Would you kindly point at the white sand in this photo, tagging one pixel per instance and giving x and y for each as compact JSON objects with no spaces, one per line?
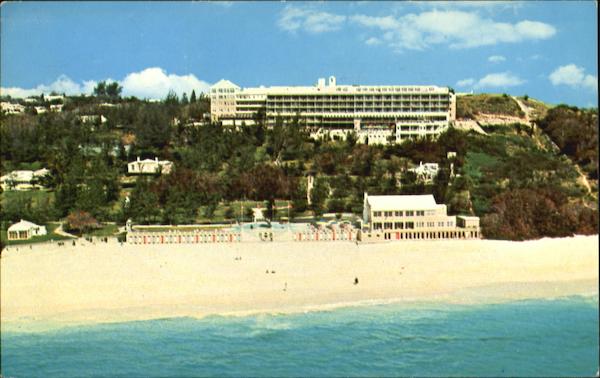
{"x":109,"y":282}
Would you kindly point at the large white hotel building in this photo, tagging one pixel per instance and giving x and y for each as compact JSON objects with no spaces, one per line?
{"x":386,"y":110}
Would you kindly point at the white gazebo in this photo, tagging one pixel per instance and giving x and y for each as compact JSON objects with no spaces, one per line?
{"x":24,"y":230}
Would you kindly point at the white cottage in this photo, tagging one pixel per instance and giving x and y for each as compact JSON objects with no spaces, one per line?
{"x":149,"y":166}
{"x":23,"y":180}
{"x":24,"y":230}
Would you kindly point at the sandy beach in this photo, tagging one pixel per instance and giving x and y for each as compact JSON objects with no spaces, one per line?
{"x":111,"y":282}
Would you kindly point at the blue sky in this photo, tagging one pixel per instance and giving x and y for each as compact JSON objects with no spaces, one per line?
{"x":547,"y":50}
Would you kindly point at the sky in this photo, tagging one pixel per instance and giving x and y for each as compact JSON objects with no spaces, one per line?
{"x":547,"y":50}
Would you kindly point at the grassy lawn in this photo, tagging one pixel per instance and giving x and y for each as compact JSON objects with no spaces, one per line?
{"x":36,"y":196}
{"x":50,"y":227}
{"x":106,"y":230}
{"x":219,"y":214}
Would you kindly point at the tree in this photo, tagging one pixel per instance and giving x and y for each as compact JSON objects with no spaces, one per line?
{"x":100,"y":89}
{"x":172,"y":98}
{"x":81,"y":221}
{"x":19,"y":207}
{"x":271,"y":210}
{"x":229,"y":213}
{"x":113,"y":90}
{"x":184,"y":99}
{"x":152,"y":129}
{"x":318,"y":196}
{"x":143,"y":206}
{"x":193,"y":97}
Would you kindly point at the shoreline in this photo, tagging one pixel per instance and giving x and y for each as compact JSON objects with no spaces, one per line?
{"x":88,"y":284}
{"x":544,"y":291}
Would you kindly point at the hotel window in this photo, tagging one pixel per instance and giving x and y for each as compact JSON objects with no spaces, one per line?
{"x":376,"y":213}
{"x":410,"y":225}
{"x":420,"y":213}
{"x":376,"y":226}
{"x":420,"y":224}
{"x":430,"y":224}
{"x":387,"y":225}
{"x":440,"y":224}
{"x":410,"y":213}
{"x":388,"y":213}
{"x":450,"y":224}
{"x":398,"y":225}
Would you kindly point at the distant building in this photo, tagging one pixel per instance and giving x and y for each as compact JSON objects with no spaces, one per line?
{"x":24,"y":230}
{"x":401,"y":217}
{"x":426,"y":173}
{"x":409,"y":111}
{"x":92,"y":118}
{"x":40,"y":109}
{"x":23,"y":180}
{"x":56,"y":107}
{"x":10,"y":108}
{"x":50,"y":98}
{"x":149,"y":166}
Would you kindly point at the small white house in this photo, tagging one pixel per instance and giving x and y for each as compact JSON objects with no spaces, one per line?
{"x":56,"y":108}
{"x":10,"y":108}
{"x":23,"y":180}
{"x":24,"y":230}
{"x":92,"y":118}
{"x":426,"y":172}
{"x":149,"y":166}
{"x":40,"y":109}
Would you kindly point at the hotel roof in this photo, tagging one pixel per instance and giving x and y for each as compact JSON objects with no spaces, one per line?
{"x":408,"y":202}
{"x":23,"y":225}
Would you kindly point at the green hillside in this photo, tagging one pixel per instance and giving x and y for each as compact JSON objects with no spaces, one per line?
{"x":468,"y":106}
{"x":523,"y":182}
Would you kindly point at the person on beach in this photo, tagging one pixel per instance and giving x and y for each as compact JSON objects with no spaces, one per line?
{"x":356,"y":280}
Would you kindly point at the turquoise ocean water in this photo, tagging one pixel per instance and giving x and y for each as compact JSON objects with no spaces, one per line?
{"x":526,"y":338}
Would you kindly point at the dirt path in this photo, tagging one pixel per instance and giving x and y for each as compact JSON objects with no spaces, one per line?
{"x":59,"y":231}
{"x":524,"y":109}
{"x":583,"y":179}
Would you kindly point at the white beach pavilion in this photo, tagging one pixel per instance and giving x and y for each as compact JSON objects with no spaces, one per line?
{"x":24,"y":230}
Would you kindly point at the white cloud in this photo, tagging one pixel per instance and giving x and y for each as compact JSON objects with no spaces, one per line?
{"x":293,"y":19}
{"x":156,"y":83}
{"x":573,"y":76}
{"x":496,"y":59}
{"x":455,"y":28}
{"x":373,"y":41}
{"x":224,"y":4}
{"x":488,"y":5}
{"x":61,"y":85}
{"x":499,"y":80}
{"x":493,"y":80}
{"x":149,"y":83}
{"x":465,"y":82}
